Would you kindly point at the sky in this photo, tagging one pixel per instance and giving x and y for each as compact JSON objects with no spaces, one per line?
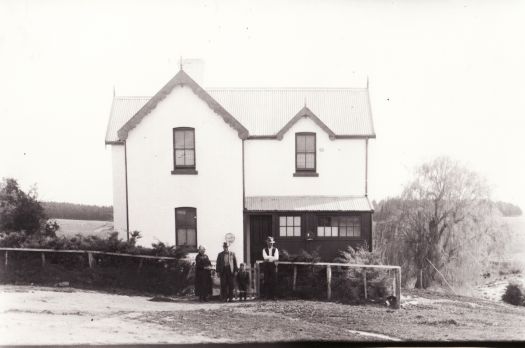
{"x":445,"y":78}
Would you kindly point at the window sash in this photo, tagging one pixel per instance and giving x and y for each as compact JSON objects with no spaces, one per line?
{"x":289,"y":226}
{"x":184,"y":148}
{"x":186,"y":226}
{"x":339,"y":226}
{"x":305,"y":152}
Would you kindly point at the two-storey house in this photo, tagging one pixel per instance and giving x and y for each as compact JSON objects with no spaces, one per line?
{"x":196,"y":166}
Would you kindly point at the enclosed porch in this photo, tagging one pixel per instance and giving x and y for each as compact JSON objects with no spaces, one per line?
{"x":323,"y":223}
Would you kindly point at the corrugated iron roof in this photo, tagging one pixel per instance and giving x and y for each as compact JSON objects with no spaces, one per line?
{"x":122,"y":110}
{"x":308,"y":203}
{"x":265,"y":111}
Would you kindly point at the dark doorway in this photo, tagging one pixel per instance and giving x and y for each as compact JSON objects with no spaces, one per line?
{"x":260,"y":229}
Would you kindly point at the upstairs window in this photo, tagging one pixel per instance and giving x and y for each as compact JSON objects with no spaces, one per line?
{"x":186,"y":226}
{"x":305,"y":154}
{"x":184,"y":148}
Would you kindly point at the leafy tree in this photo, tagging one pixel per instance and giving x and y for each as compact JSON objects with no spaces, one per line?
{"x":443,"y":221}
{"x":20,"y":211}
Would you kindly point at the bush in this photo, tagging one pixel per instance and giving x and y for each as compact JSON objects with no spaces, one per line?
{"x":110,"y":271}
{"x":514,"y":294}
{"x":348,"y":283}
{"x":19,"y":211}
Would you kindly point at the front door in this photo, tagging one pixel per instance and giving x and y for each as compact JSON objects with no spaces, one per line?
{"x":260,"y":229}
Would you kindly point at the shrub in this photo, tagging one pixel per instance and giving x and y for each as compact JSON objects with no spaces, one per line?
{"x":348,"y":283}
{"x":19,"y":211}
{"x":514,"y":294}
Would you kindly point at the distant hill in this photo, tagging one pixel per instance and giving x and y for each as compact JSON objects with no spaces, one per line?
{"x":62,"y":210}
{"x":508,"y":209}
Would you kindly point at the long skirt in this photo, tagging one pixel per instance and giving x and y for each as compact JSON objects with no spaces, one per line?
{"x":203,"y":283}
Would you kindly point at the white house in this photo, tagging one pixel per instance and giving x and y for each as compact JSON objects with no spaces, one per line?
{"x":196,"y":166}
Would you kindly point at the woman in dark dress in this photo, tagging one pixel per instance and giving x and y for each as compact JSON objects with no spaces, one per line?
{"x":203,"y":283}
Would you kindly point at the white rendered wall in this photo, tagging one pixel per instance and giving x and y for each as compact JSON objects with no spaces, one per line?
{"x":270,"y":165}
{"x":216,"y":191}
{"x":119,"y":190}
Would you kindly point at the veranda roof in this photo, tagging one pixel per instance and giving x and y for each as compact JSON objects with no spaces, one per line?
{"x":308,"y":203}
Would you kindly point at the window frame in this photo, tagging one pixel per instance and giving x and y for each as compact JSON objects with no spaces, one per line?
{"x":286,"y":215}
{"x":339,"y":237}
{"x":306,"y":171}
{"x":177,"y":226}
{"x":184,"y":169}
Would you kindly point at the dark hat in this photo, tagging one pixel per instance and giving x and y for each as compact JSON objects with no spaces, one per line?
{"x":270,"y":239}
{"x":225,"y":245}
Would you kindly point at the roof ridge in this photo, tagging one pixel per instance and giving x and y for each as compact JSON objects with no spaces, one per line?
{"x":286,"y":88}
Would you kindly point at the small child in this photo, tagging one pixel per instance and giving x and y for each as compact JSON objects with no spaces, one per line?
{"x":243,"y":279}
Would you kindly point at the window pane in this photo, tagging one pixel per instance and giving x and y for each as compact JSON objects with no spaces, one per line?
{"x":320,"y":231}
{"x":297,"y":221}
{"x":191,"y":237}
{"x":289,"y":221}
{"x":282,"y":220}
{"x":342,"y":231}
{"x":179,"y":139}
{"x":335,"y":231}
{"x":181,"y":236}
{"x":179,"y":157}
{"x":190,"y":158}
{"x":324,"y":221}
{"x":310,"y":143}
{"x":282,"y":231}
{"x":310,"y":161}
{"x":289,"y":231}
{"x":301,"y":147}
{"x":188,"y":139}
{"x":301,"y":161}
{"x":335,"y":221}
{"x":297,"y":231}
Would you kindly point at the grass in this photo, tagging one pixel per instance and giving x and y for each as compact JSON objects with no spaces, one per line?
{"x":69,"y":228}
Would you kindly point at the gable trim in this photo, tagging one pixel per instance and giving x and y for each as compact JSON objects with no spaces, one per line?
{"x":305,"y":112}
{"x":181,"y":79}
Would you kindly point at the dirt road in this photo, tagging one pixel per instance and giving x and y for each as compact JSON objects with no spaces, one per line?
{"x":42,"y":315}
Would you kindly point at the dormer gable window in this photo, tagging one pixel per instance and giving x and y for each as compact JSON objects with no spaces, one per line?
{"x":184,"y":150}
{"x":305,"y":154}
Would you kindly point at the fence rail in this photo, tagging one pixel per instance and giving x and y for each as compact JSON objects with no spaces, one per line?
{"x":89,"y":253}
{"x":396,"y":284}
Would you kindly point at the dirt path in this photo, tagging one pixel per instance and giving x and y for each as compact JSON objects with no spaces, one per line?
{"x":41,"y":315}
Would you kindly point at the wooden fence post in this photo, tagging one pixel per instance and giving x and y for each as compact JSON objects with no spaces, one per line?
{"x":257,"y":279}
{"x":294,"y":277}
{"x":6,"y":258}
{"x":140,"y":265}
{"x":329,"y":281}
{"x":91,"y":261}
{"x":398,"y":287}
{"x":364,"y":284}
{"x":43,"y":256}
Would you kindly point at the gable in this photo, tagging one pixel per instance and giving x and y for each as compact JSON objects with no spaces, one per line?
{"x":258,"y":112}
{"x":181,"y":79}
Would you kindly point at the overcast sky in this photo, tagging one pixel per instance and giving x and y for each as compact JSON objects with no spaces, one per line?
{"x":446,"y":78}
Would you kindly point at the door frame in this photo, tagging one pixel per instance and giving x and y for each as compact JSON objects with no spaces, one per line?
{"x":247,"y":232}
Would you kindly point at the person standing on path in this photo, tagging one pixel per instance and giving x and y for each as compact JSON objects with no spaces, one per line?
{"x":243,"y":280}
{"x":203,"y":283}
{"x":226,"y":267}
{"x":270,"y":255}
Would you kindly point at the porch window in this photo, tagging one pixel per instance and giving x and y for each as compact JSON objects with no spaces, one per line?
{"x":184,"y":150}
{"x":186,"y":226}
{"x":289,"y":226}
{"x":305,"y":154}
{"x":339,"y":226}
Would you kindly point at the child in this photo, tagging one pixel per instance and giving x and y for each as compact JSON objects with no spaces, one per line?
{"x":243,"y":279}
